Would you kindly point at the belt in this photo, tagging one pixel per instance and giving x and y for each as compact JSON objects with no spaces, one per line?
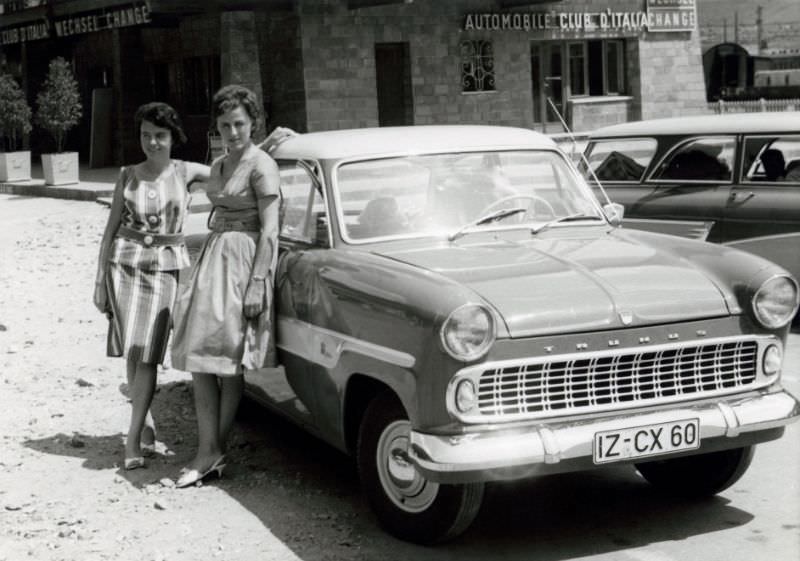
{"x":221,"y":223}
{"x":149,"y":239}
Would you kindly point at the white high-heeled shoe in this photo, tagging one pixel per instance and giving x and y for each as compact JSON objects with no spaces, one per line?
{"x":195,"y":477}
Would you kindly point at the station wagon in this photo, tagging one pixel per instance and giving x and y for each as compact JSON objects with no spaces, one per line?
{"x":732,"y":179}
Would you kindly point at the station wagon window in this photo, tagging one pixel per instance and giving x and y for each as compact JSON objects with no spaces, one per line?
{"x":772,"y":158}
{"x":619,"y":160}
{"x":703,"y":159}
{"x":303,"y":214}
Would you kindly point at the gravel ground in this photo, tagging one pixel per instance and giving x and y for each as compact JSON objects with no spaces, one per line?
{"x":63,"y":413}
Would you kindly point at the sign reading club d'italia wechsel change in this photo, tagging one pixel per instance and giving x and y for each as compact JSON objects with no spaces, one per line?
{"x":135,"y":14}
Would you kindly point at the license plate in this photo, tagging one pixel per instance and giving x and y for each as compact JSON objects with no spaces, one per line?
{"x":646,"y":440}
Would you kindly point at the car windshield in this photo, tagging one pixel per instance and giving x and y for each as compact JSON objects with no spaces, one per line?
{"x":445,"y":194}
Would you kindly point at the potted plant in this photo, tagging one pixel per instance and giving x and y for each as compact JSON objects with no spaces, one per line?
{"x":15,"y":122}
{"x":59,"y":109}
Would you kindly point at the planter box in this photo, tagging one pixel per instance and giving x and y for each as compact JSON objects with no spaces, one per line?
{"x":15,"y":166}
{"x":60,"y":169}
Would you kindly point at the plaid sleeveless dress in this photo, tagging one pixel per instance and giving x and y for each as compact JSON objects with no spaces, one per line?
{"x":143,"y":280}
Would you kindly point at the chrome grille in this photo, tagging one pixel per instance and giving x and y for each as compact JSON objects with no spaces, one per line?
{"x":566,"y":384}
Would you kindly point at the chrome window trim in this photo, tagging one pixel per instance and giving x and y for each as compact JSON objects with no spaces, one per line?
{"x":643,"y":178}
{"x":681,"y":144}
{"x":474,"y":372}
{"x":743,"y":180}
{"x":310,"y":166}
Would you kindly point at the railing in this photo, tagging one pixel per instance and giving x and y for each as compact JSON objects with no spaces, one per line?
{"x":755,"y":105}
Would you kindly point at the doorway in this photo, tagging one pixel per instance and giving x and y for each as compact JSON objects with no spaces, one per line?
{"x":393,"y":80}
{"x":547,"y":77}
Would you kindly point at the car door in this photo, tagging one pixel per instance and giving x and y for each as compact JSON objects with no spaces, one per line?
{"x":692,"y":182}
{"x":762,"y":214}
{"x":304,"y":238}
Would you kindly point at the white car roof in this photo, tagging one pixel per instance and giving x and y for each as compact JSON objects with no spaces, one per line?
{"x":730,"y":123}
{"x":421,"y":139}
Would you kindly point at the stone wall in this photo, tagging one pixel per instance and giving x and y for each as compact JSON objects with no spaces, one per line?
{"x":671,"y":75}
{"x":339,"y":65}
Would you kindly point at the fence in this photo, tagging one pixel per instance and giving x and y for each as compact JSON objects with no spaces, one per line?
{"x":755,"y":105}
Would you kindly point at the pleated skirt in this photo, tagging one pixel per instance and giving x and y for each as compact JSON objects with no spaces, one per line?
{"x":141,"y":306}
{"x":211,"y":334}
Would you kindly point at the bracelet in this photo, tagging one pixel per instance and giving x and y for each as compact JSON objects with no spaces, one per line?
{"x":257,"y":278}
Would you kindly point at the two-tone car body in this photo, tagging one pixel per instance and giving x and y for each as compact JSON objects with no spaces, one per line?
{"x":732,"y":179}
{"x":454,"y":306}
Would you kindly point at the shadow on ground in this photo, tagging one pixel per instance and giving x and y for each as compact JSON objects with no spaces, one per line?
{"x":305,"y":492}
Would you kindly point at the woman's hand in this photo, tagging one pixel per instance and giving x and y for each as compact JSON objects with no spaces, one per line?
{"x":101,"y":297}
{"x":254,"y":298}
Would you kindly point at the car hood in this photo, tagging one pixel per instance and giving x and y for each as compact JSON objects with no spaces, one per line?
{"x":557,"y":285}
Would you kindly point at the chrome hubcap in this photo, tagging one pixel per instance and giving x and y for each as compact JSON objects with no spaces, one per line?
{"x":407,"y":489}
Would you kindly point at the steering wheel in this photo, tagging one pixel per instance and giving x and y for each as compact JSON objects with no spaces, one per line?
{"x":535,"y":198}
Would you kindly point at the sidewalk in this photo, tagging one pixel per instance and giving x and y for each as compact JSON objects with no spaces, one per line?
{"x":93,"y":184}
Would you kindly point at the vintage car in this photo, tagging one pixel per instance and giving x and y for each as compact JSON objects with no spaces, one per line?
{"x":732,"y":179}
{"x":455,"y":307}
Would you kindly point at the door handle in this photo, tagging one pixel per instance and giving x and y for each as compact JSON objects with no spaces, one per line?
{"x":741,"y":197}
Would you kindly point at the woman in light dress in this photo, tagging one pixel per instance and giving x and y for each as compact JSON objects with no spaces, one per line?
{"x":223,"y":322}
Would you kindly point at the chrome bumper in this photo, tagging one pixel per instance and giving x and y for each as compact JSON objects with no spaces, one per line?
{"x":556,"y":446}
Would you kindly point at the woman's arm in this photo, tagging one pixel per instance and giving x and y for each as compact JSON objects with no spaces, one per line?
{"x":266,"y":182}
{"x":196,"y":173}
{"x":112,"y":225}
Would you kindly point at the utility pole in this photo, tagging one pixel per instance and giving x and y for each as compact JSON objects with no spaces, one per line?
{"x":736,"y":27}
{"x":758,"y":29}
{"x":725,"y":31}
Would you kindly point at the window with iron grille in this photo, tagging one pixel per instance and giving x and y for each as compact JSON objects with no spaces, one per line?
{"x":477,"y":66}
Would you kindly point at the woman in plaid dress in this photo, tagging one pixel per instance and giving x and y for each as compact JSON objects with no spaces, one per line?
{"x":141,"y":253}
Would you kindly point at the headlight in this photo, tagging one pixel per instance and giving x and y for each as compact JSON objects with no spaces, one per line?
{"x":775,"y":302}
{"x":468,"y":332}
{"x":772,"y":360}
{"x":466,"y":397}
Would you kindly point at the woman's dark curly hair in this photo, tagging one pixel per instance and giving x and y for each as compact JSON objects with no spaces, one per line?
{"x":164,"y":116}
{"x":233,"y":96}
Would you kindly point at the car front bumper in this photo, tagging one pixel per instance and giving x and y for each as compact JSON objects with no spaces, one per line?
{"x":554,"y":446}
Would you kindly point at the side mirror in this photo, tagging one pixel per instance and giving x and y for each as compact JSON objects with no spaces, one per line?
{"x":614,"y":212}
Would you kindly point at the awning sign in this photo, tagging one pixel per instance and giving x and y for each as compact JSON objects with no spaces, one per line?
{"x":135,"y":14}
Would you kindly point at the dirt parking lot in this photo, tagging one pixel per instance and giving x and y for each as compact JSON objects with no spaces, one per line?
{"x":286,"y":496}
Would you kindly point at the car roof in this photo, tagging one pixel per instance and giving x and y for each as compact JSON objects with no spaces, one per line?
{"x":730,"y":123}
{"x":420,"y":139}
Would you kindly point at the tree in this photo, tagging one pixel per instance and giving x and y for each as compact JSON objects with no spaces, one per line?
{"x":15,"y":114}
{"x":59,"y":103}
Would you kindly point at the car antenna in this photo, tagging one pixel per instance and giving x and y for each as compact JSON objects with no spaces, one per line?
{"x":583,"y":155}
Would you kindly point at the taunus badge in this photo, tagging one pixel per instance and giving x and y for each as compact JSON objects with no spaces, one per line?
{"x":626,"y":318}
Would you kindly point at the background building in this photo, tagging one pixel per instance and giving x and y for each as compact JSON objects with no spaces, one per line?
{"x":331,"y":64}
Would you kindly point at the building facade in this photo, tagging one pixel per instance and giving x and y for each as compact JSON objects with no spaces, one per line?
{"x":333,"y":64}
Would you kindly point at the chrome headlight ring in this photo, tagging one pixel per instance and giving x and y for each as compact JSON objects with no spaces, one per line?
{"x":468,"y":332}
{"x":776,"y":301}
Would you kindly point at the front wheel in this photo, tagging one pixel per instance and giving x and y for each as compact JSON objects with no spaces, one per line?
{"x":406,"y":504}
{"x":700,"y":475}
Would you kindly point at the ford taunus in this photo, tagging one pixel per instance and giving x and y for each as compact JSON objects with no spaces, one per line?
{"x":732,"y":179}
{"x":455,"y":306}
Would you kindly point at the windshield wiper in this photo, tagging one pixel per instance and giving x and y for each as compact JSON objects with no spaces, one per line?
{"x":569,"y":218}
{"x":491,"y":217}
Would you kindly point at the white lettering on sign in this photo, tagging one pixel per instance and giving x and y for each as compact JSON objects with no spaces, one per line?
{"x":78,"y":25}
{"x":558,"y":21}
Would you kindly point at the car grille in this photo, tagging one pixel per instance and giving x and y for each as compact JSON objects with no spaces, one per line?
{"x":609,"y":380}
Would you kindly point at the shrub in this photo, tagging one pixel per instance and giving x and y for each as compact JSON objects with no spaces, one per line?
{"x":59,"y":103}
{"x":15,"y":114}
